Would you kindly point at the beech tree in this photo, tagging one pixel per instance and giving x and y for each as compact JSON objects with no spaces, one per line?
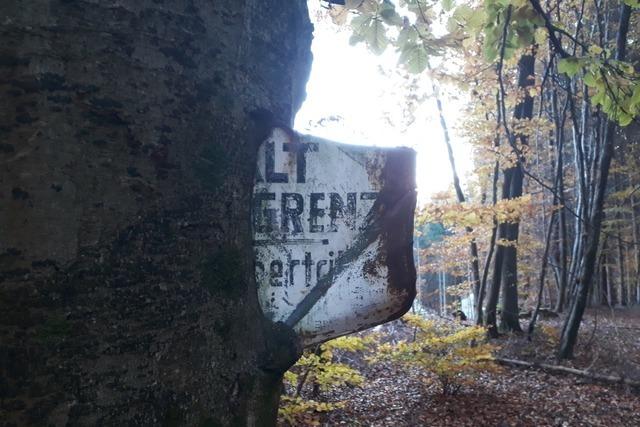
{"x":129,"y":137}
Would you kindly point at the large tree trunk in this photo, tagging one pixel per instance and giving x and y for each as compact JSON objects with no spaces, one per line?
{"x":129,"y":134}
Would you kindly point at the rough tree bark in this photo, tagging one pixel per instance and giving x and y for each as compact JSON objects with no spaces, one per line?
{"x":129,"y":131}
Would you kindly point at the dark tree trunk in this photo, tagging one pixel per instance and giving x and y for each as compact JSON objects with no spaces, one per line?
{"x":509,"y":316}
{"x":129,"y":134}
{"x":494,"y":291}
{"x":505,"y":270}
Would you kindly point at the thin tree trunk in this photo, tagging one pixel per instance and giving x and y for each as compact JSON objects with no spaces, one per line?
{"x":604,"y":282}
{"x":543,"y":271}
{"x":636,"y":249}
{"x":620,"y":258}
{"x":492,"y":245}
{"x":473,"y":247}
{"x":621,"y":270}
{"x":559,"y":197}
{"x":585,"y":279}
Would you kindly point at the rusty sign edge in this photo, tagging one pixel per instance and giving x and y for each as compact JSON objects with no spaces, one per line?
{"x":408,"y":284}
{"x":395,"y":233}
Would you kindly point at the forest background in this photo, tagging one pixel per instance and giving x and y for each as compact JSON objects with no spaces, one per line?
{"x":549,"y":216}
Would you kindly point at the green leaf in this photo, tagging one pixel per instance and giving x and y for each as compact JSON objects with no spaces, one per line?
{"x":476,"y":21}
{"x":598,"y":98}
{"x":635,"y":98}
{"x":463,"y":12}
{"x":452,"y":24}
{"x":355,"y":39}
{"x":447,"y":5}
{"x":633,"y":3}
{"x":625,"y":67}
{"x":595,"y":50}
{"x":407,"y":35}
{"x":569,"y":66}
{"x":590,"y":80}
{"x":541,"y":36}
{"x":376,"y":37}
{"x":414,"y":57}
{"x":624,"y":119}
{"x":391,"y":17}
{"x":361,"y":23}
{"x":490,"y":53}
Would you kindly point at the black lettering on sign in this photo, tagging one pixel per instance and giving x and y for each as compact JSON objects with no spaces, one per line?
{"x":275,"y":270}
{"x":270,"y":165}
{"x":307,"y":268}
{"x":292,"y":207}
{"x":337,"y":209}
{"x":264,"y":219}
{"x":319,"y":265}
{"x":292,"y":265}
{"x":301,"y":149}
{"x":315,"y":212}
{"x":350,"y":218}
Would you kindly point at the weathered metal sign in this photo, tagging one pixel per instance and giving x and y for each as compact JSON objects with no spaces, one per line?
{"x":333,"y":231}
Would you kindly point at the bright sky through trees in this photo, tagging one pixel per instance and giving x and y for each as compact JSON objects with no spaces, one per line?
{"x":367,"y":94}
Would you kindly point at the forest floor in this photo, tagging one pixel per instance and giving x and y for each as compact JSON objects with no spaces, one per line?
{"x":609,"y":343}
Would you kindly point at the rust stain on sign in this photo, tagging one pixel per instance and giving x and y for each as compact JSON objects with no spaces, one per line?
{"x":333,"y":231}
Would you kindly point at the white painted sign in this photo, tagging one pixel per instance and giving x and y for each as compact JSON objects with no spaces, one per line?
{"x":333,"y":229}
